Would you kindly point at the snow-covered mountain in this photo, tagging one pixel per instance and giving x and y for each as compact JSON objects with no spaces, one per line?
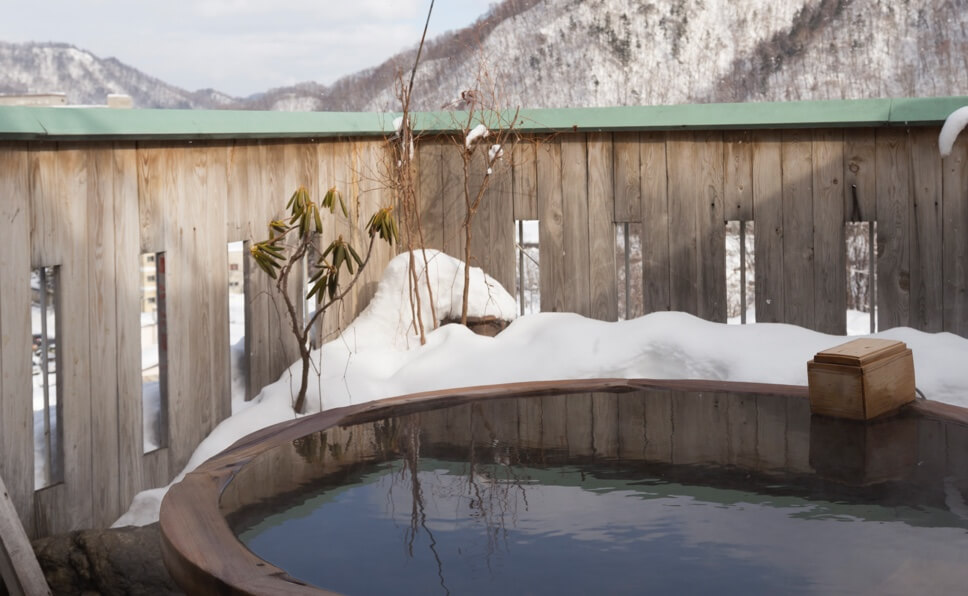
{"x":556,"y":53}
{"x":559,"y":53}
{"x":88,"y":79}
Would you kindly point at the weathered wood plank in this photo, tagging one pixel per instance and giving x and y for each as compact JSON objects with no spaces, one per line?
{"x":286,"y":170}
{"x":574,"y":200}
{"x":480,"y":220}
{"x":186,"y":299}
{"x":101,"y":281}
{"x":627,"y":181}
{"x":768,"y":221}
{"x":345,"y":180}
{"x":955,"y":239}
{"x":685,"y":192}
{"x":653,"y":179}
{"x":659,"y":425}
{"x":578,"y":425}
{"x":452,"y":195}
{"x":710,"y":224}
{"x":500,"y":200}
{"x":373,"y":197}
{"x":893,"y":228}
{"x":830,"y":282}
{"x":798,"y":258}
{"x":603,"y":290}
{"x":238,"y":224}
{"x":220,"y":397}
{"x":605,"y":425}
{"x":771,"y":440}
{"x":860,"y":171}
{"x":632,"y":426}
{"x":524,"y":165}
{"x":155,"y":174}
{"x":700,"y":431}
{"x":551,"y":248}
{"x":19,"y":570}
{"x":328,"y":327}
{"x":429,"y":196}
{"x":738,"y":174}
{"x":59,"y":192}
{"x":127,"y":268}
{"x":16,"y":412}
{"x":261,"y":205}
{"x":741,"y":431}
{"x":927,"y":278}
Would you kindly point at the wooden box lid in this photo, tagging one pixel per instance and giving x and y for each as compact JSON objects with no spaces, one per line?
{"x":861,"y":352}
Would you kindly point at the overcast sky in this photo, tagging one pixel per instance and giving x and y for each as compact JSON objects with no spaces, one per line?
{"x":239,"y":47}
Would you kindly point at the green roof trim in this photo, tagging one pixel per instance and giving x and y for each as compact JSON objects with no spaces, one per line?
{"x":67,"y":123}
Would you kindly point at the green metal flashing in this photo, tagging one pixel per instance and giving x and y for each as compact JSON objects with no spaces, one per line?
{"x":66,"y":123}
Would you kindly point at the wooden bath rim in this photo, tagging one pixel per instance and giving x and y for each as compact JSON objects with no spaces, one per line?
{"x":204,"y":556}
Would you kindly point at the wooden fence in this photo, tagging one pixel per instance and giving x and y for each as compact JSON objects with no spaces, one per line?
{"x":93,"y":206}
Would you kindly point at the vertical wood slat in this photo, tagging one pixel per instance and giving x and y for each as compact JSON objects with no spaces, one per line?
{"x":602,"y":275}
{"x":249,"y":176}
{"x":893,"y":226}
{"x":574,"y":208}
{"x":101,"y":281}
{"x":127,"y":266}
{"x":738,"y":176}
{"x":430,"y":192}
{"x":654,"y":192}
{"x":860,"y":171}
{"x":372,"y":197}
{"x":627,"y":177}
{"x":182,"y":268}
{"x":797,"y":198}
{"x":830,"y":281}
{"x":524,"y":184}
{"x":59,"y":193}
{"x":328,"y":327}
{"x":500,"y":210}
{"x":927,"y":279}
{"x":768,"y":221}
{"x":684,"y":194}
{"x":710,"y":224}
{"x":550,"y":231}
{"x":16,"y":412}
{"x":452,"y":195}
{"x":955,"y":239}
{"x":480,"y":220}
{"x":218,"y":314}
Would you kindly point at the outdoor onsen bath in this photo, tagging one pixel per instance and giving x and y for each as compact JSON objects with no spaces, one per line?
{"x":581,"y":487}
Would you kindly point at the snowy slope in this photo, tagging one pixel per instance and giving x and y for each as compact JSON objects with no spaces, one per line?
{"x":625,"y":52}
{"x":88,"y":79}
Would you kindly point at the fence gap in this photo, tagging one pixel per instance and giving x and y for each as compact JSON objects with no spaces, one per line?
{"x":154,"y":352}
{"x":860,"y":238}
{"x":740,"y":272}
{"x":527,"y":278}
{"x":238,"y":360}
{"x":628,"y":269}
{"x":47,"y":405}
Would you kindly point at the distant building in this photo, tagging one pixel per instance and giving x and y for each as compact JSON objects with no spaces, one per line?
{"x":47,"y":100}
{"x":33,"y":99}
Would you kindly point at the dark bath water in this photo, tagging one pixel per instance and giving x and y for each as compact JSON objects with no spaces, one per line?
{"x":613,"y":494}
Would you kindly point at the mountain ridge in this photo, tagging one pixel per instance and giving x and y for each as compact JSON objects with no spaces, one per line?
{"x":581,"y":53}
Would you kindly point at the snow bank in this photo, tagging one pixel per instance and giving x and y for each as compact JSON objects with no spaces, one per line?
{"x":379,"y":355}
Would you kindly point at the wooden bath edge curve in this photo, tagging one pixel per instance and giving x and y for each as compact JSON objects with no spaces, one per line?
{"x":204,"y":556}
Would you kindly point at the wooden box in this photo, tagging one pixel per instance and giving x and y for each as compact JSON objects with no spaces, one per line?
{"x":861,"y":379}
